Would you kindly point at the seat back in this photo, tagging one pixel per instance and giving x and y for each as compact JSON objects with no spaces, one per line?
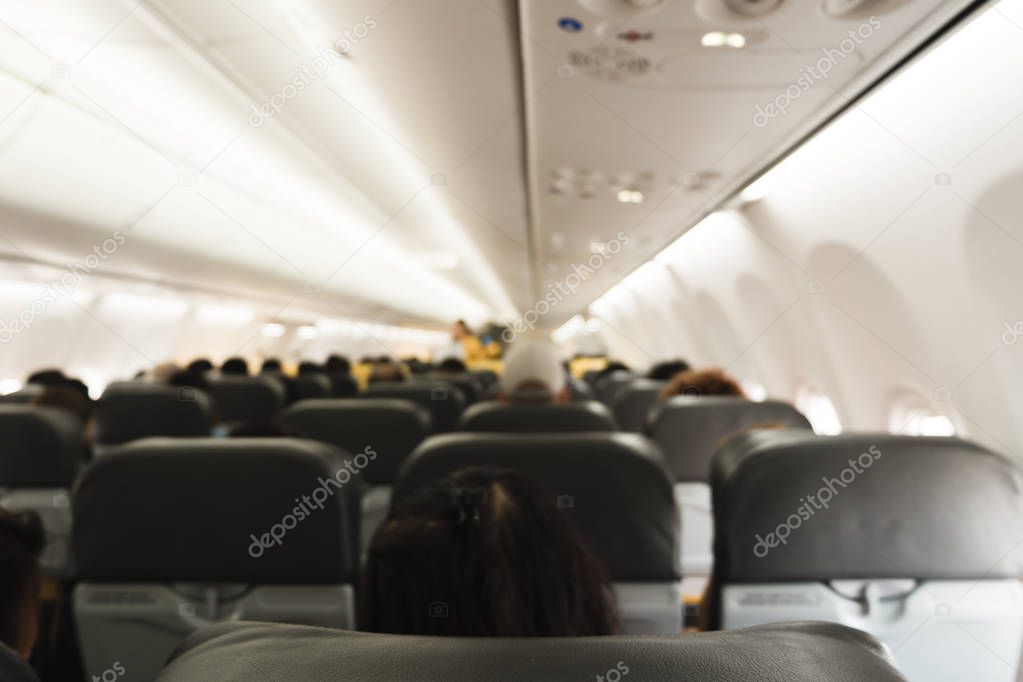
{"x":689,"y":430}
{"x":310,"y":386}
{"x":607,"y":386}
{"x":342,"y":385}
{"x":41,"y":450}
{"x":174,"y":534}
{"x":615,"y":489}
{"x":632,"y":405}
{"x":915,"y":540}
{"x":579,"y":390}
{"x":441,"y":399}
{"x":803,"y":652}
{"x":557,"y":418}
{"x":246,"y":398}
{"x":129,"y":410}
{"x":392,"y":428}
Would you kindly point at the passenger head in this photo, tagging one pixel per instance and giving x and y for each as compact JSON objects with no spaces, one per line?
{"x":79,"y":386}
{"x":483,"y":553}
{"x":338,"y":364}
{"x":270,"y":365}
{"x":664,"y":371}
{"x":200,"y":366}
{"x":451,"y":366}
{"x":235,"y":366}
{"x":47,"y":377}
{"x":307,"y":367}
{"x":533,"y":374}
{"x":66,"y":398}
{"x":611,"y":367}
{"x":707,"y":382}
{"x":21,"y":542}
{"x":460,"y":329}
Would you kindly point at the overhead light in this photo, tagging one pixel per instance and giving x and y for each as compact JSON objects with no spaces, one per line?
{"x":722,"y":39}
{"x":630,"y":196}
{"x":8,"y":386}
{"x":273,"y":330}
{"x":307,"y":332}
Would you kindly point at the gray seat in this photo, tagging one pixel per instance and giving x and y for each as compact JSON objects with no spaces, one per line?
{"x":614,"y":487}
{"x":915,"y":540}
{"x":392,"y":429}
{"x":799,"y":652}
{"x":443,"y":400}
{"x":129,"y":410}
{"x":579,"y":390}
{"x":689,"y":430}
{"x":172,"y":535}
{"x":632,"y":404}
{"x":41,"y":450}
{"x":562,"y":418}
{"x":22,"y":396}
{"x":606,"y":387}
{"x":246,"y":398}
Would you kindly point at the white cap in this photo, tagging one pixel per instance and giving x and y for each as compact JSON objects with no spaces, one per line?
{"x":532,"y":360}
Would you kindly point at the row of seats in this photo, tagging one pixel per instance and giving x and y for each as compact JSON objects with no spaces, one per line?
{"x":926,"y":525}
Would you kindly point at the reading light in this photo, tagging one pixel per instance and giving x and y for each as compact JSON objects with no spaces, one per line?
{"x":273,"y":330}
{"x":307,"y":332}
{"x":630,"y":196}
{"x":721,"y":39}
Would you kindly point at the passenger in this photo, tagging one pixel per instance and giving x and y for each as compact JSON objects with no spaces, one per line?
{"x":235,"y":366}
{"x":21,"y":542}
{"x":533,"y":375}
{"x":471,"y":346}
{"x":451,"y":366}
{"x":708,"y":382}
{"x":338,"y":364}
{"x":79,"y":386}
{"x":185,"y":378}
{"x":270,"y":366}
{"x":200,"y":366}
{"x":309,"y":367}
{"x":483,"y":553}
{"x":663,"y":371}
{"x":47,"y":377}
{"x":66,"y":398}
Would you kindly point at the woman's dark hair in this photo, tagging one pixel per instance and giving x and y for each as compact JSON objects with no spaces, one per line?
{"x":483,"y":553}
{"x":21,"y":542}
{"x":664,"y":371}
{"x":707,"y":382}
{"x":235,"y":366}
{"x":47,"y":377}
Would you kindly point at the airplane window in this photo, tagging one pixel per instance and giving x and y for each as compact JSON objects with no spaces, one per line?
{"x":819,"y":409}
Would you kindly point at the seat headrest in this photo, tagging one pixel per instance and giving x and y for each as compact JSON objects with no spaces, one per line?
{"x":23,"y":396}
{"x":632,"y":404}
{"x":261,"y":510}
{"x":566,"y":418}
{"x":579,"y":390}
{"x":392,"y":428}
{"x":244,"y":398}
{"x":442,"y":399}
{"x":792,"y":506}
{"x":607,"y":386}
{"x":40,"y":447}
{"x":310,"y":386}
{"x":791,"y":652}
{"x":690,"y":429}
{"x":614,"y":487}
{"x":128,"y":410}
